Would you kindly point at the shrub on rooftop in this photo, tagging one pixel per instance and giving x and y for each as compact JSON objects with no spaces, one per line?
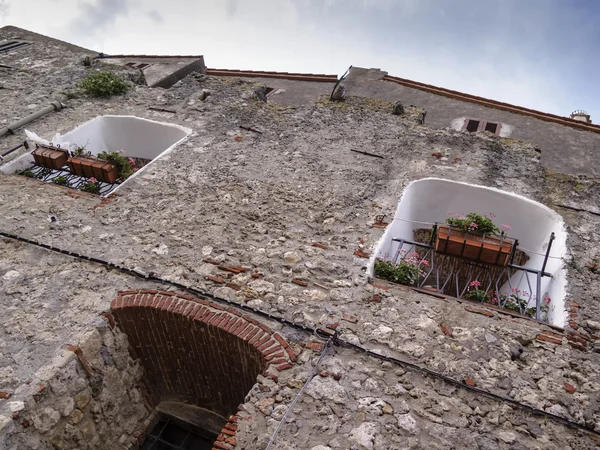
{"x":103,"y":84}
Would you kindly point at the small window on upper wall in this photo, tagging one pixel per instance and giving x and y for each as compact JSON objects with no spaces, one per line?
{"x":473,"y":125}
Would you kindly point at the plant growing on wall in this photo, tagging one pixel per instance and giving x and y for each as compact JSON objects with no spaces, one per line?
{"x":124,"y":164}
{"x":103,"y":84}
{"x":92,"y":186}
{"x":409,"y":270}
{"x":475,"y":293}
{"x":61,"y":180}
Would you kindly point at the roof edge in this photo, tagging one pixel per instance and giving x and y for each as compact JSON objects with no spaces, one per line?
{"x":323,"y":78}
{"x":494,"y":104}
{"x":104,"y":56}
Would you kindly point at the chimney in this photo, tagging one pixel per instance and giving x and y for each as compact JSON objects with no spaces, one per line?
{"x":581,"y":115}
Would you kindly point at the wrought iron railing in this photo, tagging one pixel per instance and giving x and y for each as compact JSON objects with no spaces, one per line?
{"x":511,"y":287}
{"x":71,"y":180}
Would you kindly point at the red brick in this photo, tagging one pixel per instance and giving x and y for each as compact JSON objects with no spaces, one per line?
{"x":469,"y":382}
{"x":300,"y":282}
{"x":321,"y":246}
{"x":257,"y":337}
{"x":265,"y":328}
{"x":282,"y":367}
{"x":483,"y":312}
{"x":569,"y":388}
{"x":271,"y":350}
{"x":358,"y":252}
{"x":279,"y":354}
{"x":544,"y":338}
{"x":266,"y":345}
{"x":445,"y":330}
{"x":349,"y":318}
{"x":214,"y":262}
{"x":221,"y":446}
{"x":280,"y":340}
{"x":227,"y":432}
{"x":291,"y":353}
{"x":316,"y":346}
{"x":5,"y":395}
{"x":215,"y":279}
{"x":383,"y":287}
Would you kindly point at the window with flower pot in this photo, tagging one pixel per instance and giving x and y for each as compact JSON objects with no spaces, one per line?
{"x":477,"y":243}
{"x":100,"y":155}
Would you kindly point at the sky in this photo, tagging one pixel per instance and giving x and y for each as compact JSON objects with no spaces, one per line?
{"x":541,"y":54}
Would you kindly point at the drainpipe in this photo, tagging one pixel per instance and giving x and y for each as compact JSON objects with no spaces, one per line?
{"x":54,"y":106}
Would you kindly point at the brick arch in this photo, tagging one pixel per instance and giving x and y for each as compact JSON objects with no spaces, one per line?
{"x":196,"y":351}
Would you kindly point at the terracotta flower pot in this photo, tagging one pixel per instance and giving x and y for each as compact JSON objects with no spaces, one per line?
{"x":50,"y":157}
{"x":90,"y":167}
{"x":473,"y":246}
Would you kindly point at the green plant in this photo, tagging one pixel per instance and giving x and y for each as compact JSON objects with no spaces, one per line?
{"x":124,"y":164}
{"x":28,"y":173}
{"x":474,"y":222}
{"x":103,"y":84}
{"x":408,"y":271}
{"x":92,"y":186}
{"x":43,"y":173}
{"x":475,"y":293}
{"x":61,"y":180}
{"x":79,"y":150}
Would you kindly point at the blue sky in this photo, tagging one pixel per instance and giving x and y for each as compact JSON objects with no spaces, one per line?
{"x":542,"y":54}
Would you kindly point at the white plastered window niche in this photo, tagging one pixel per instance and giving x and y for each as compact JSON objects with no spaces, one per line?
{"x":428,"y":201}
{"x":137,"y":137}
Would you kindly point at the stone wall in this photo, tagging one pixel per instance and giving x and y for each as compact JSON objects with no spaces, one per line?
{"x":564,"y":149}
{"x":90,"y":397}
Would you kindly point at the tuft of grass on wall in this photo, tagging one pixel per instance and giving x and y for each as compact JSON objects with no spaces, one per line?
{"x":103,"y":84}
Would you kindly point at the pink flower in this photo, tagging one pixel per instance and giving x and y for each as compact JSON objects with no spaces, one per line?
{"x":121,"y":151}
{"x":505,"y":227}
{"x":449,"y":213}
{"x":425,"y":263}
{"x":131,"y":161}
{"x":93,"y":180}
{"x":475,"y":283}
{"x":547,"y":300}
{"x":494,"y":301}
{"x":473,"y":225}
{"x":135,"y":169}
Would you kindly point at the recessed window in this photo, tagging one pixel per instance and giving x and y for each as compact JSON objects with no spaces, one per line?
{"x":473,"y":125}
{"x":491,"y":127}
{"x":8,"y":46}
{"x":516,"y":276}
{"x":138,"y":140}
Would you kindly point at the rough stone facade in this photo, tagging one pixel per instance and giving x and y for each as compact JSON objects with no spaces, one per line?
{"x":292,"y":205}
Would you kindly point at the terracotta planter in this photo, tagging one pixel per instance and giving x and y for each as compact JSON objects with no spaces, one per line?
{"x":50,"y":157}
{"x":488,"y":249}
{"x":89,"y":167}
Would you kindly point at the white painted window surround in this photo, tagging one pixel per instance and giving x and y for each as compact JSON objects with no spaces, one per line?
{"x":139,"y":138}
{"x":459,"y":123}
{"x":430,"y":199}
